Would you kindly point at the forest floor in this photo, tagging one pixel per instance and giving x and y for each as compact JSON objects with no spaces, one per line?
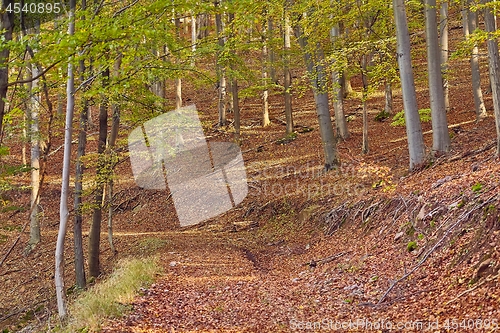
{"x":305,"y":250}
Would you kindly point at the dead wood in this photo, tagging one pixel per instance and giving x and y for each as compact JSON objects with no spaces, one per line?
{"x":314,"y":263}
{"x":464,"y":216}
{"x":491,"y":278}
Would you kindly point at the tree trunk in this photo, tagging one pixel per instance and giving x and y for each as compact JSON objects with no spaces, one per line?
{"x":346,"y":85}
{"x":270,"y":37}
{"x":95,"y":231}
{"x":265,"y":93}
{"x":178,"y":81}
{"x":63,"y":210}
{"x":470,"y":25}
{"x":194,"y":38}
{"x":236,"y":109}
{"x":220,"y":70}
{"x":115,"y":125}
{"x":443,"y":29}
{"x":35,"y":161}
{"x":388,"y":98}
{"x":412,"y":118}
{"x":317,"y":75}
{"x":440,"y":135}
{"x":338,"y":95}
{"x":364,"y":78}
{"x":287,"y":75}
{"x":494,"y":66}
{"x":6,"y":25}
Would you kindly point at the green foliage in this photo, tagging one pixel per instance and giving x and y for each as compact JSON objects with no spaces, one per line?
{"x":399,"y":118}
{"x":477,"y":187}
{"x":382,"y":115}
{"x":411,"y":246}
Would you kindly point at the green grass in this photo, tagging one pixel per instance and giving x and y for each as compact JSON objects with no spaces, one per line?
{"x":111,"y":298}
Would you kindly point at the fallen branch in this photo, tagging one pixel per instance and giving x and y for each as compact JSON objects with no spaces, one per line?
{"x":314,"y":263}
{"x":462,"y":217}
{"x":491,"y":278}
{"x":474,"y":152}
{"x":430,"y":132}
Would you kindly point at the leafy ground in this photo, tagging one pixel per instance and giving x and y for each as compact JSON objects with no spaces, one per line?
{"x":304,"y":247}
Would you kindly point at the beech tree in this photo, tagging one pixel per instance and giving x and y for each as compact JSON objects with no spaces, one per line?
{"x":286,"y":69}
{"x":412,"y":118}
{"x":314,"y":59}
{"x":63,"y":211}
{"x":6,"y":28}
{"x":469,"y":19}
{"x":440,"y":136}
{"x":494,"y":65}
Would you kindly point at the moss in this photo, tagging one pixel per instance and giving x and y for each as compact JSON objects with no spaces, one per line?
{"x":411,"y":246}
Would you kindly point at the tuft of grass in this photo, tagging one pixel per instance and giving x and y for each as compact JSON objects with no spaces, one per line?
{"x":111,"y":298}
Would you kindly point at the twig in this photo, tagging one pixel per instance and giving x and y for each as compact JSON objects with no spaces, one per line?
{"x":491,"y":278}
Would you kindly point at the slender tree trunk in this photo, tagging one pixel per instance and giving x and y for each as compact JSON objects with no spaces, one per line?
{"x":338,"y":95}
{"x":220,"y":70}
{"x":6,"y":25}
{"x":115,"y":125}
{"x":178,"y":81}
{"x":470,"y":24}
{"x":265,"y":93}
{"x":388,"y":98}
{"x":287,"y":75}
{"x":63,"y":210}
{"x":364,"y":64}
{"x":494,"y":66}
{"x":412,"y":118}
{"x":77,"y":228}
{"x":95,"y":230}
{"x":440,"y":135}
{"x":270,"y":37}
{"x":443,"y":29}
{"x":194,"y":38}
{"x":317,"y":75}
{"x":35,"y":161}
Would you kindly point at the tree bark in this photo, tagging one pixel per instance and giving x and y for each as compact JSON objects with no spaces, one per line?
{"x":388,"y":98}
{"x":115,"y":125}
{"x":317,"y":76}
{"x":412,"y":118}
{"x":6,"y":25}
{"x":265,"y":93}
{"x":443,"y":29}
{"x":63,"y":209}
{"x":364,"y":64}
{"x":286,"y":72}
{"x":494,"y":66}
{"x":220,"y":70}
{"x":470,"y":24}
{"x":338,"y":95}
{"x":95,"y":230}
{"x":440,"y":135}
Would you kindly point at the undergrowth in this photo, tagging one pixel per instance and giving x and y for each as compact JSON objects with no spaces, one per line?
{"x":111,"y":298}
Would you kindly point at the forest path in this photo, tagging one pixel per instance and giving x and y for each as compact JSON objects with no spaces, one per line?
{"x":211,"y":282}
